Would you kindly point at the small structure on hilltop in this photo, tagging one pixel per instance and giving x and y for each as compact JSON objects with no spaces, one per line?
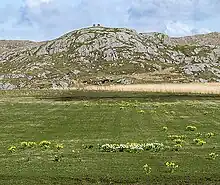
{"x":98,"y":25}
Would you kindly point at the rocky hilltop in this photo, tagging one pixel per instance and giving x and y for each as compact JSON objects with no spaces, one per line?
{"x":100,"y":55}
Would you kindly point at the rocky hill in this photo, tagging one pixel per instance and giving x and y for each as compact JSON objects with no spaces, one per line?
{"x":100,"y":55}
{"x":7,"y":45}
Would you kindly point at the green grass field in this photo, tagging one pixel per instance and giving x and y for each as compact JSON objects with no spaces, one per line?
{"x":82,"y":121}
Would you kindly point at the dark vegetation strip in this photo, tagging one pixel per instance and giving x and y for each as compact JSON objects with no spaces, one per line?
{"x":78,"y":95}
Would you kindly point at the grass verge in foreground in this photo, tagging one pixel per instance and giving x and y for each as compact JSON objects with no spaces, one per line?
{"x":92,"y":123}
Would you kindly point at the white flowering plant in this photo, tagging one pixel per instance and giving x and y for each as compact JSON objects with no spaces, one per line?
{"x":131,"y":147}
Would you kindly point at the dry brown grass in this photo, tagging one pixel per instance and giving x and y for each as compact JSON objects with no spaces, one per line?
{"x":203,"y":88}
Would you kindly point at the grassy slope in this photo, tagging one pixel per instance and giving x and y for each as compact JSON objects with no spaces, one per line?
{"x":101,"y":121}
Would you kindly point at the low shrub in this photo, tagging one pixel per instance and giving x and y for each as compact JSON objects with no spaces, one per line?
{"x":178,"y":141}
{"x":45,"y":144}
{"x":165,"y":129}
{"x":31,"y":144}
{"x":141,"y":111}
{"x":147,"y":169}
{"x":59,"y":146}
{"x":57,"y":158}
{"x":209,"y":135}
{"x":24,"y":144}
{"x":172,"y":112}
{"x":177,"y":147}
{"x":191,"y":128}
{"x":28,"y":144}
{"x":198,"y":134}
{"x":174,"y":137}
{"x":199,"y":142}
{"x":171,"y":166}
{"x":213,"y":156}
{"x":12,"y":149}
{"x":87,"y":146}
{"x":167,"y":148}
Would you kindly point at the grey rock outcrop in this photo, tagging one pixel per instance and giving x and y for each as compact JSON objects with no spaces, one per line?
{"x":99,"y":52}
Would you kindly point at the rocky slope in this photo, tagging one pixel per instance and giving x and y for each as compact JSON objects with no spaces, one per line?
{"x":100,"y":55}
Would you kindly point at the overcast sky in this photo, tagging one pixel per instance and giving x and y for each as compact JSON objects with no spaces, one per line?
{"x":48,"y":19}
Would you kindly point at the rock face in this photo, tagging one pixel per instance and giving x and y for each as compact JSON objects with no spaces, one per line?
{"x":100,"y":55}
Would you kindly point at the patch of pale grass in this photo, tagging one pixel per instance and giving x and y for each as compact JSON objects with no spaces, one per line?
{"x":203,"y":88}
